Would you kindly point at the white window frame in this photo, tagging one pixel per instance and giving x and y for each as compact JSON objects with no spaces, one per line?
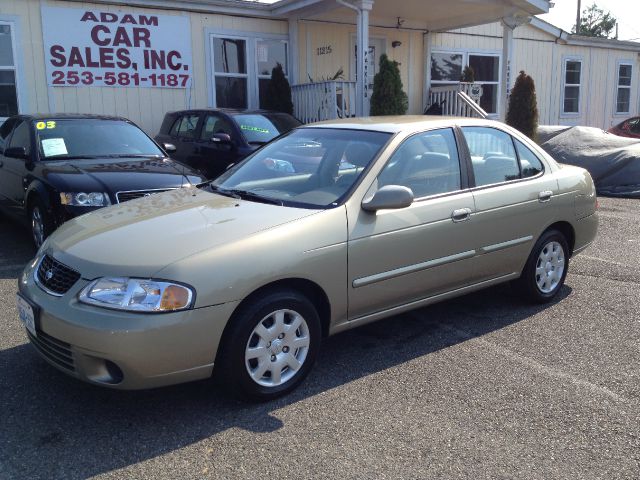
{"x":13,"y":24}
{"x":245,"y":75}
{"x":251,"y":55}
{"x":627,"y":87}
{"x":263,"y":77}
{"x":465,"y":61}
{"x":565,"y":61}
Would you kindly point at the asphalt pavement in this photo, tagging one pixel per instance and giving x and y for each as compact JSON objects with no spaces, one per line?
{"x":478,"y":387}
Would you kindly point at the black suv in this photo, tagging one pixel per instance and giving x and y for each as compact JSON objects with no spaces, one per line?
{"x":212,"y":139}
{"x":58,"y":166}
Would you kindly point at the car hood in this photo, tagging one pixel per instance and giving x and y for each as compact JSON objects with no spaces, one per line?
{"x":116,"y":175}
{"x":140,"y":237}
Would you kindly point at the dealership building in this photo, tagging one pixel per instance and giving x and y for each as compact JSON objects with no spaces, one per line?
{"x":142,"y":58}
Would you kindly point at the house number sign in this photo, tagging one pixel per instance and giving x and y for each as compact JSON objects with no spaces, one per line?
{"x":325,"y":50}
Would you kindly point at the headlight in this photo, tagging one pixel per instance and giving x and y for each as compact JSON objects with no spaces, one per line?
{"x":82,"y":199}
{"x":137,"y":295}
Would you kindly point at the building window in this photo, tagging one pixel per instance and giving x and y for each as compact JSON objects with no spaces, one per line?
{"x":572,"y":76}
{"x":268,"y":54}
{"x":623,"y":97}
{"x":230,"y":72}
{"x":8,"y":84}
{"x":446,"y":69}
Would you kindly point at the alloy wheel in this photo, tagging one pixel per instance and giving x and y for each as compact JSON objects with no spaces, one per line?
{"x":550,"y":267}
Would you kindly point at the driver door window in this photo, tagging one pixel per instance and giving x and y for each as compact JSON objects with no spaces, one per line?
{"x":426,"y":163}
{"x":215,"y":124}
{"x":21,"y":137}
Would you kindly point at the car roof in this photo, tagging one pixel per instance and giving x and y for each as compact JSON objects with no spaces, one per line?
{"x":228,"y":111}
{"x":45,"y":116}
{"x":404,"y":123}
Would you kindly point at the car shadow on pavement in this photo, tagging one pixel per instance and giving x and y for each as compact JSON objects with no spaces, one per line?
{"x":54,"y":426}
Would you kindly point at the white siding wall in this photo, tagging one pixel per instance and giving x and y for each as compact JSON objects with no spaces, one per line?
{"x":538,"y":54}
{"x":145,"y":106}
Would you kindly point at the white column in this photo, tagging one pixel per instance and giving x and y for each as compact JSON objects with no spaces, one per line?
{"x":362,"y":92}
{"x":294,"y":39}
{"x":507,"y":67}
{"x":508,"y":75}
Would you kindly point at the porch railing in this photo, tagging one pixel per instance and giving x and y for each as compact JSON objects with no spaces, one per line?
{"x":314,"y":102}
{"x":458,"y":105}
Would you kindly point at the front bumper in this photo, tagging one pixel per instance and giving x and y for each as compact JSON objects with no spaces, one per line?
{"x":121,"y":349}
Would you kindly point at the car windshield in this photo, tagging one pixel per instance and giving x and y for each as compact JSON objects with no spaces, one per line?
{"x":264,"y":127}
{"x":90,"y":138}
{"x":310,"y":167}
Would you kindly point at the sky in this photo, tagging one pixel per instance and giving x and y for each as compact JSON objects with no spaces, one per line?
{"x":627,"y":12}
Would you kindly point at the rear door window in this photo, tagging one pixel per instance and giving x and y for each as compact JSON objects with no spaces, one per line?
{"x":492,"y":154}
{"x":185,"y":126}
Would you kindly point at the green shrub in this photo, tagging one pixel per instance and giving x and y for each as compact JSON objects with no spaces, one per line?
{"x":388,"y":97}
{"x":278,"y":92}
{"x":523,"y":107}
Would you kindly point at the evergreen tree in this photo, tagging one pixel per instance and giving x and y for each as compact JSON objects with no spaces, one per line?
{"x":523,"y":107}
{"x":595,"y":22}
{"x":278,"y":92}
{"x":468,"y":75}
{"x":388,"y":97}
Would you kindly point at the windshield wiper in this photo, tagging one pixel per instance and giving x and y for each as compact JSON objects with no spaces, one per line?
{"x":244,"y":195}
{"x":248,"y":195}
{"x":134,"y":155}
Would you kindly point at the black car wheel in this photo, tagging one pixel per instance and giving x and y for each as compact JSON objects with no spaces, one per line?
{"x":546,"y":268}
{"x":41,"y":224}
{"x":270,"y":346}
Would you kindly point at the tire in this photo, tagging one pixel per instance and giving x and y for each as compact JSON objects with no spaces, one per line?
{"x":546,"y":268}
{"x":40,"y":222}
{"x":260,"y":356}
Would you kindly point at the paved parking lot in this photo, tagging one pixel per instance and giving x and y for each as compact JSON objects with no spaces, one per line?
{"x":479,"y":387}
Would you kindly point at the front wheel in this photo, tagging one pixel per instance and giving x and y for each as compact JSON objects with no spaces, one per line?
{"x":40,"y":221}
{"x":271,"y":345}
{"x":546,"y":268}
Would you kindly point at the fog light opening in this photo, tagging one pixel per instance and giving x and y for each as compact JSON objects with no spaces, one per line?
{"x":114,"y":372}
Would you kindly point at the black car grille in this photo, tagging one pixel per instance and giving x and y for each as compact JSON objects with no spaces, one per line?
{"x":56,"y":277}
{"x":54,"y":350}
{"x":133,"y":194}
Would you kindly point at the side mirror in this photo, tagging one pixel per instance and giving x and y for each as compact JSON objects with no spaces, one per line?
{"x":221,"y":138}
{"x":389,"y":197}
{"x":16,"y":152}
{"x":169,"y":147}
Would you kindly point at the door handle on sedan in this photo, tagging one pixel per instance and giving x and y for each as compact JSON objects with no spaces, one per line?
{"x":545,"y":196}
{"x":461,"y":215}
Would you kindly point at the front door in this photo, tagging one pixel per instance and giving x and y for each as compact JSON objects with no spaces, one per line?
{"x":215,"y":156}
{"x":14,"y":170}
{"x":400,"y":256}
{"x":184,"y":134}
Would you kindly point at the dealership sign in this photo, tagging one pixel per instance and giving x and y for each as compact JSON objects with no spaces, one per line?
{"x":116,"y":49}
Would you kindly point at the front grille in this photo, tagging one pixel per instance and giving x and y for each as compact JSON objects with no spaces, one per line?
{"x":53,"y":350}
{"x":55,"y":277}
{"x":133,"y":194}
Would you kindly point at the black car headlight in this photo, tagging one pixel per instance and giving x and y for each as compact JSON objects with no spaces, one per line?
{"x":85,"y":199}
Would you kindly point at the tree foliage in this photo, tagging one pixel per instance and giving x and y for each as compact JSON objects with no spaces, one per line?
{"x":595,"y":22}
{"x":468,"y":75}
{"x":388,"y":98}
{"x":278,"y":92}
{"x":523,"y":107}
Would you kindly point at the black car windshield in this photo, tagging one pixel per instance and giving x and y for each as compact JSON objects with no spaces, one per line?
{"x":310,"y":167}
{"x":58,"y":139}
{"x":264,"y":127}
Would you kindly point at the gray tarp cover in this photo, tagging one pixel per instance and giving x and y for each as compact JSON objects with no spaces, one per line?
{"x":613,"y":161}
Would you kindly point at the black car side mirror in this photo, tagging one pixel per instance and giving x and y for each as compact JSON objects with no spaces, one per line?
{"x":221,"y":138}
{"x":16,"y":152}
{"x":169,"y":147}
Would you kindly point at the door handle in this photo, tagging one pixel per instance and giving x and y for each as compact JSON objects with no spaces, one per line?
{"x":461,"y":215}
{"x":545,"y":196}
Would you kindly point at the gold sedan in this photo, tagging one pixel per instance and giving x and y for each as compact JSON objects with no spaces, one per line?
{"x":330,"y":227}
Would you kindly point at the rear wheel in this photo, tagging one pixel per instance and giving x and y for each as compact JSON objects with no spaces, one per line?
{"x":41,"y":224}
{"x":546,"y":268}
{"x":271,"y":345}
